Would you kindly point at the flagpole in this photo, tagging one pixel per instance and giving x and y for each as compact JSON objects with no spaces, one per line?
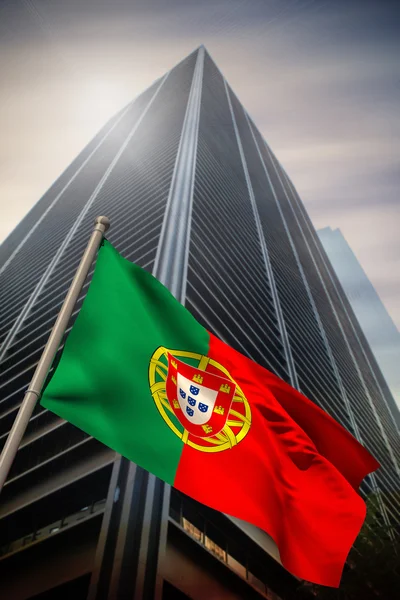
{"x":35,"y":387}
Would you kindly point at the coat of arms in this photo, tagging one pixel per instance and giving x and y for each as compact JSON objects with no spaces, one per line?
{"x":200,"y":400}
{"x":208,"y":405}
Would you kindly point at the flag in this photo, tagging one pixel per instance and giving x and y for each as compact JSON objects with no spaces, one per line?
{"x":141,"y":375}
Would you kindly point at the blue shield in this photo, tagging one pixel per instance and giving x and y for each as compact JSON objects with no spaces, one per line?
{"x":190,"y":411}
{"x":182,"y":393}
{"x":203,"y":407}
{"x":194,"y":390}
{"x":191,"y":401}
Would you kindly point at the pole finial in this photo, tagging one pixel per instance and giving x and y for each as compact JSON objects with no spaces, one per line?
{"x":105,"y":221}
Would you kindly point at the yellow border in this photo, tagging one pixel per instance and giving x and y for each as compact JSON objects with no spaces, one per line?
{"x":224,"y":440}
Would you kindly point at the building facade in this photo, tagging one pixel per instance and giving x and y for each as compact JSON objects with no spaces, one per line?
{"x":196,"y":196}
{"x":376,"y":323}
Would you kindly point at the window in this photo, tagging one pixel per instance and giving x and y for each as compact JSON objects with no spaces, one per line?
{"x":215,"y":549}
{"x":236,"y":566}
{"x":256,"y":582}
{"x":192,"y":530}
{"x":175,"y":506}
{"x":237,"y":558}
{"x":192,"y":517}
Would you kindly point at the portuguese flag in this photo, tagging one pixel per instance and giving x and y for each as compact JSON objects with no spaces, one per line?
{"x":141,"y":375}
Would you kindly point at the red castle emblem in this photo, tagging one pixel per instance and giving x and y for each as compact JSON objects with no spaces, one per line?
{"x":200,"y":400}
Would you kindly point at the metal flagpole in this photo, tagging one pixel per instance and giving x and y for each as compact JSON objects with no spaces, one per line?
{"x":35,"y":387}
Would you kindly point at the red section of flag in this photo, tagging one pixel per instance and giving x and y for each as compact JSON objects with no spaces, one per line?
{"x":294,"y":474}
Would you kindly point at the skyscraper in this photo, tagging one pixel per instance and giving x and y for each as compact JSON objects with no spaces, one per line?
{"x":377,"y":325}
{"x":195,"y":195}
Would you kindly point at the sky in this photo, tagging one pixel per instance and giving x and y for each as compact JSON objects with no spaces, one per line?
{"x":320,"y":78}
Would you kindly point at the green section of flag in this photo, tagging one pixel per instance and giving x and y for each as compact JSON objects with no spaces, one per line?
{"x":101,"y":383}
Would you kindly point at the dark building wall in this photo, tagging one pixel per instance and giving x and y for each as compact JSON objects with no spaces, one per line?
{"x":316,"y":377}
{"x":228,"y":287}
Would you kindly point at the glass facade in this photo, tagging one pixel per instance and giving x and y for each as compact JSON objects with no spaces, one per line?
{"x":252,"y":269}
{"x":377,"y":325}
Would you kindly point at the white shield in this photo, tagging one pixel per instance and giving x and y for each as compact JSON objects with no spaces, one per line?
{"x":196,"y":401}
